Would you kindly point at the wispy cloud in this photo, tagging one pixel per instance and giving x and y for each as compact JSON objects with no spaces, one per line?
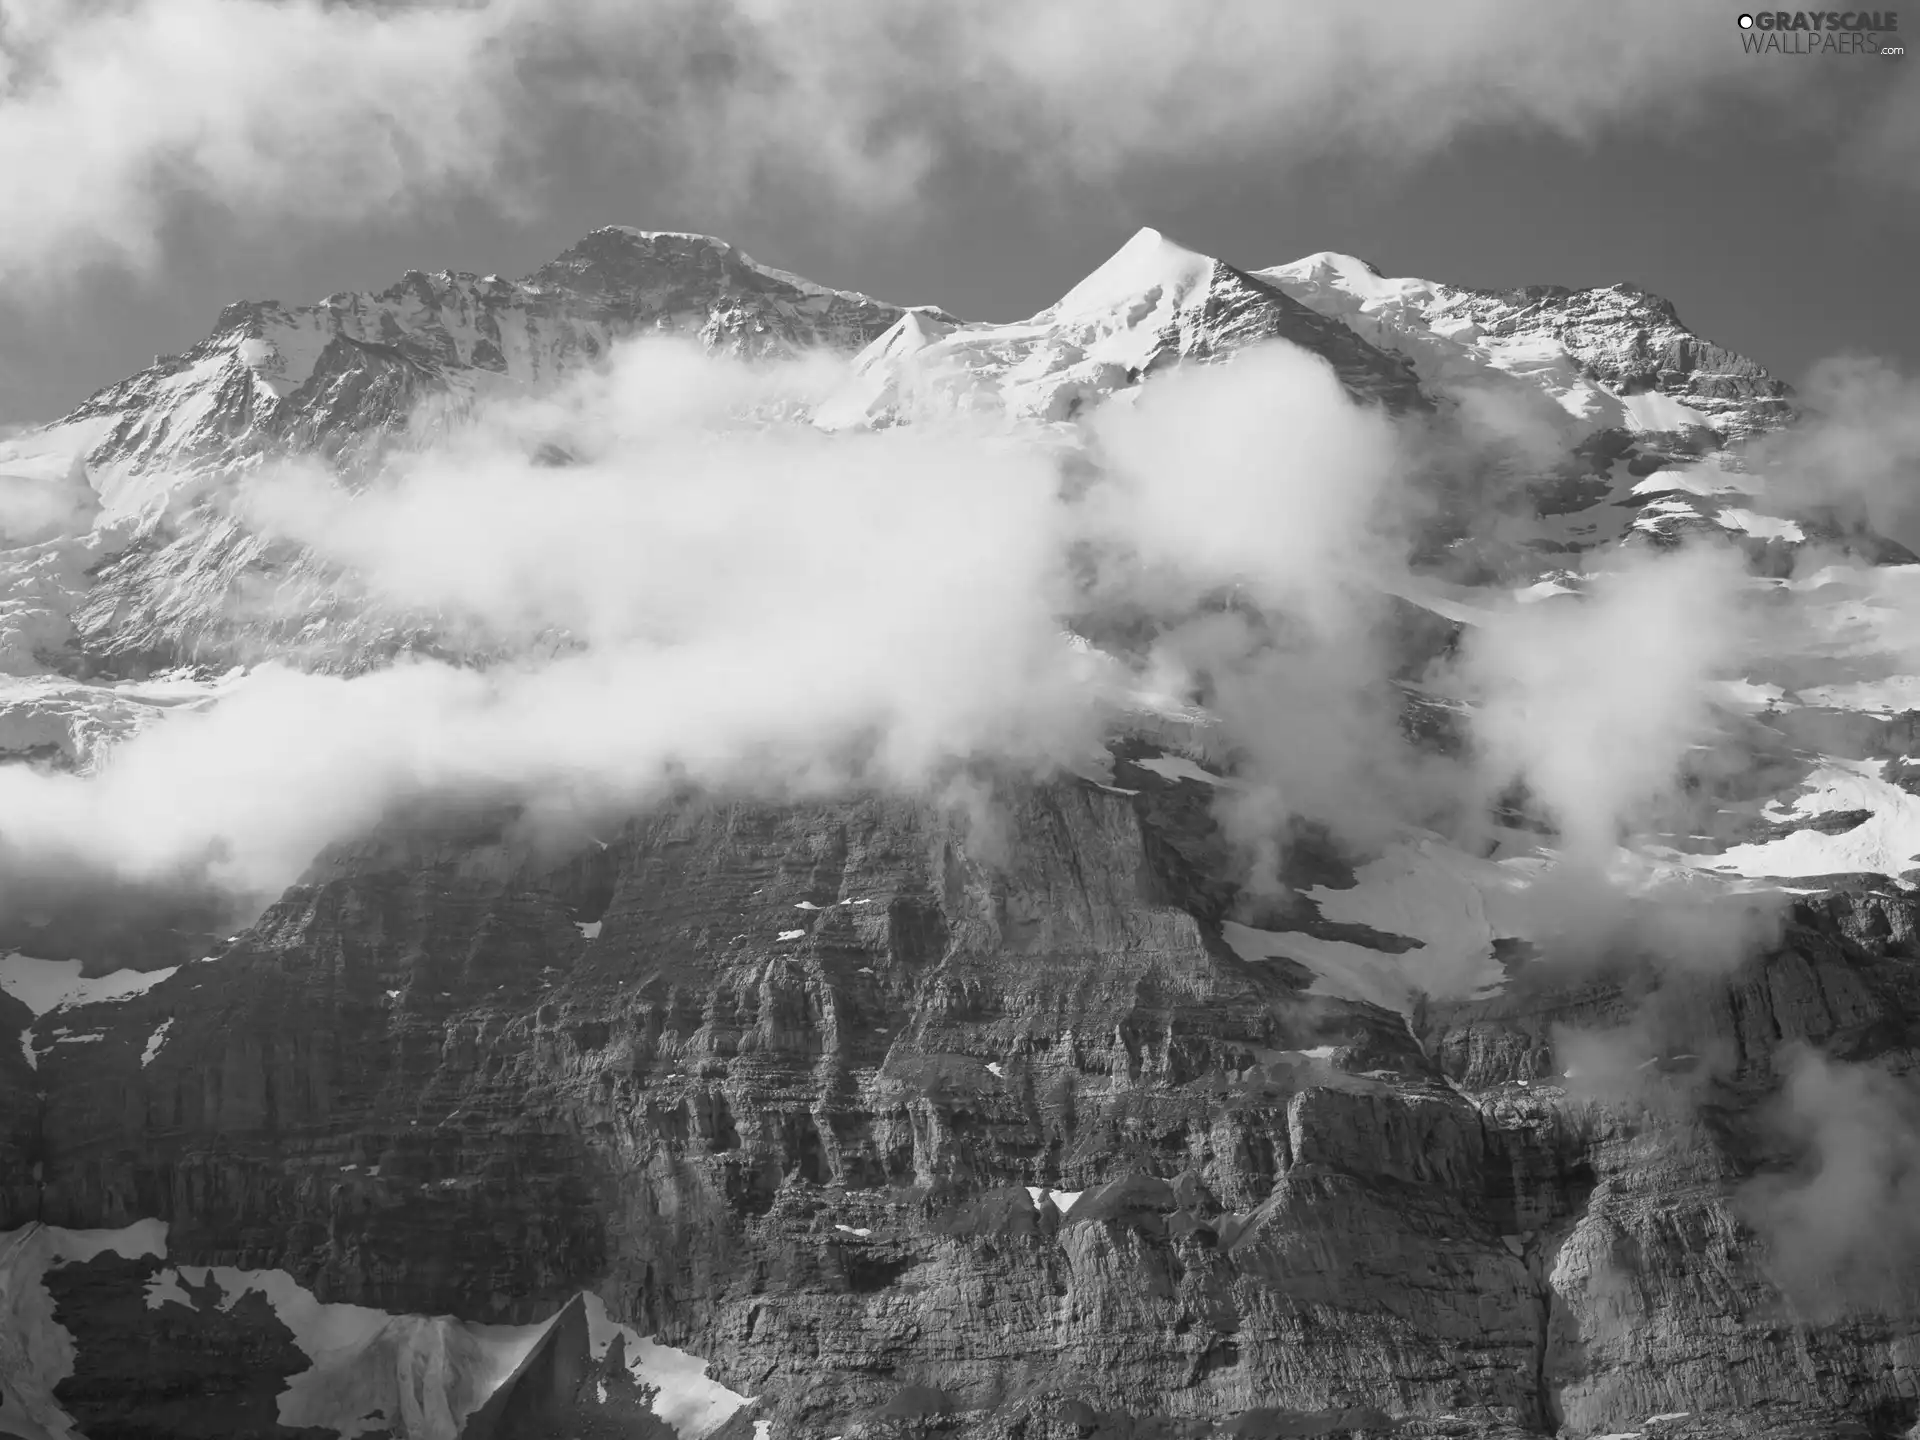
{"x":1841,"y":1220}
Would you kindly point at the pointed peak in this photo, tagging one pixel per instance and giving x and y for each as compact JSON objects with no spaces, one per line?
{"x":1147,"y":263}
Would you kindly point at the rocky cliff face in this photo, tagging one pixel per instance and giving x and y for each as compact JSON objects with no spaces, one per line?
{"x":904,"y":1134}
{"x":872,"y":1115}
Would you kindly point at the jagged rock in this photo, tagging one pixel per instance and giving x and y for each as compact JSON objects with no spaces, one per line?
{"x":414,"y":1084}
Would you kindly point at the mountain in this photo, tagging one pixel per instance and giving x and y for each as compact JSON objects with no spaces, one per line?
{"x":356,"y":367}
{"x":144,"y":586}
{"x":1615,"y":356}
{"x":851,"y":1115}
{"x":1152,"y":304}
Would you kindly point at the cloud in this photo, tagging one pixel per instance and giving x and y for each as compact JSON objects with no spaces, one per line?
{"x":1264,"y":478}
{"x":1856,"y":453}
{"x":1596,"y":701}
{"x":1842,"y":1223}
{"x":301,"y":112}
{"x":745,"y":603}
{"x":1650,"y":1060}
{"x":733,"y":599}
{"x":113,"y":111}
{"x":694,"y":587}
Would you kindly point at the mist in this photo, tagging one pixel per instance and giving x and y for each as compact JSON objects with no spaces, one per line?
{"x":729,"y":598}
{"x":694,"y":586}
{"x":1595,"y":700}
{"x":1855,"y":457}
{"x":1841,"y":1219}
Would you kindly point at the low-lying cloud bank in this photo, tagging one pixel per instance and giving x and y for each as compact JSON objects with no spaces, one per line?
{"x":692,"y":585}
{"x":727,"y":597}
{"x":707,"y":590}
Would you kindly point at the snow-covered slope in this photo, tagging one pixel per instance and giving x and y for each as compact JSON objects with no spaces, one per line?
{"x":111,"y":558}
{"x":1611,"y":356}
{"x":1597,"y":416}
{"x":1609,"y":375}
{"x":346,"y":372}
{"x":36,"y":1352}
{"x":1154,"y":302}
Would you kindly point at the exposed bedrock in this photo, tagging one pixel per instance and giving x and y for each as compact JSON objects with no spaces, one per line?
{"x":790,"y":1086}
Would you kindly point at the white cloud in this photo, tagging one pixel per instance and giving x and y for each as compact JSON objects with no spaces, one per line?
{"x":1842,"y":1228}
{"x":753,"y":603}
{"x":311,"y":113}
{"x":1596,"y":701}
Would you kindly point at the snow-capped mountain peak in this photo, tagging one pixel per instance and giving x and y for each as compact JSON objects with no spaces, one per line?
{"x":1149,"y":270}
{"x":1154,"y":302}
{"x":353,"y":367}
{"x":1614,"y":355}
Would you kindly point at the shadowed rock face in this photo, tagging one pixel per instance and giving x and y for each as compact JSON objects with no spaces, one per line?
{"x":415,"y":1084}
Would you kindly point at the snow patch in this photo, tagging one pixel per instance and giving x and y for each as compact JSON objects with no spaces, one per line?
{"x":1886,"y":843}
{"x":36,"y":1352}
{"x":1542,"y":590}
{"x":790,"y":935}
{"x":859,"y":1232}
{"x":47,"y":985}
{"x":590,"y":929}
{"x":1178,"y":767}
{"x":1749,"y":695}
{"x":1693,"y":479}
{"x":1891,"y":695}
{"x":369,"y":1368}
{"x":1456,"y":906}
{"x":1762,"y":527}
{"x":154,"y":1041}
{"x":690,"y":1403}
{"x":1651,"y":410}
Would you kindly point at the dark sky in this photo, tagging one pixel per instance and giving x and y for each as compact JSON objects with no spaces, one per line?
{"x":1753,"y":220}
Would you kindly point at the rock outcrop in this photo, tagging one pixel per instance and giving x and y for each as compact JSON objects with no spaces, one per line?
{"x":902,"y":1125}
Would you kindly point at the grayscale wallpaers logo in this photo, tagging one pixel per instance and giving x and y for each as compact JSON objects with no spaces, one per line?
{"x":1821,"y":32}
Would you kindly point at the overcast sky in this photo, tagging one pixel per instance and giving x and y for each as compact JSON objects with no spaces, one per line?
{"x":167,"y":157}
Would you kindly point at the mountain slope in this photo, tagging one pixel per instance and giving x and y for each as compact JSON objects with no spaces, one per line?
{"x":1613,"y":356}
{"x":1152,"y":304}
{"x":353,"y":368}
{"x":145,"y":586}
